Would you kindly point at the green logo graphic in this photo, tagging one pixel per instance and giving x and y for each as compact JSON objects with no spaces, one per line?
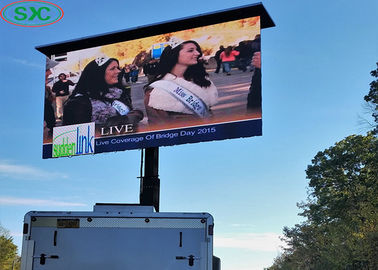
{"x":73,"y":140}
{"x":34,"y":13}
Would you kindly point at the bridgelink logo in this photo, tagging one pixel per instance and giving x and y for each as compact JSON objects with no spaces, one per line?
{"x":31,"y":13}
{"x":74,"y":140}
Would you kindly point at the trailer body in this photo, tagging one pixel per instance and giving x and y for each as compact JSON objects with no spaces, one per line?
{"x":117,"y":237}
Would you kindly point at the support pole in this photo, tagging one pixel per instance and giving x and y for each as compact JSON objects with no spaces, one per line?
{"x":150,"y":182}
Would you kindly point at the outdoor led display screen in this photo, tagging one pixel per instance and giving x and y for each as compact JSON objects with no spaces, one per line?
{"x":199,"y":83}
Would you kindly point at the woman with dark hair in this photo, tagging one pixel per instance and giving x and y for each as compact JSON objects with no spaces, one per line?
{"x":99,"y":97}
{"x":181,"y":89}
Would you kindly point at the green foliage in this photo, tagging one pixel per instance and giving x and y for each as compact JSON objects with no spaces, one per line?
{"x":372,"y":98}
{"x":343,"y":181}
{"x":340,"y":230}
{"x":8,"y":252}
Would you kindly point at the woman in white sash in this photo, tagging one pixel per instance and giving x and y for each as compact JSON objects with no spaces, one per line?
{"x":181,"y":91}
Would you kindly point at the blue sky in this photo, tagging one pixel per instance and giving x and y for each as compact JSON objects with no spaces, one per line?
{"x":316,"y":67}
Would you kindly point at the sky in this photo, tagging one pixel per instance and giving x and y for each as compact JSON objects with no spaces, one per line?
{"x":316,"y":65}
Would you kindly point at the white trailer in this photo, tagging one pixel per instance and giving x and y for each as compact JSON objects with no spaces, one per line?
{"x":118,"y":237}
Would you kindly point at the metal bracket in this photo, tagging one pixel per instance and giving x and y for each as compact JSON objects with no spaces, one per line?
{"x":190,"y":258}
{"x":43,"y":257}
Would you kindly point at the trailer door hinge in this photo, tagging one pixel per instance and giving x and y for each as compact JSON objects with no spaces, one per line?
{"x":43,"y":257}
{"x":190,"y":258}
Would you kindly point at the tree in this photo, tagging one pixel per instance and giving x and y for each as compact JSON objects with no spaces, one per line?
{"x":372,"y":98}
{"x":340,"y":230}
{"x":8,"y":251}
{"x":343,"y":200}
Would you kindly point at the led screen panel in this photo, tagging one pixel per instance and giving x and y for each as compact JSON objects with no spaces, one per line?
{"x":194,"y":85}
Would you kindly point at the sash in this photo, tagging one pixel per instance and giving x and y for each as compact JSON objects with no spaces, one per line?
{"x":121,"y":108}
{"x":187,"y":98}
